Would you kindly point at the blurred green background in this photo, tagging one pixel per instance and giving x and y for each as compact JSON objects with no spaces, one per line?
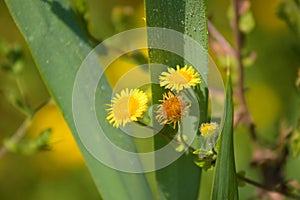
{"x":60,"y":173}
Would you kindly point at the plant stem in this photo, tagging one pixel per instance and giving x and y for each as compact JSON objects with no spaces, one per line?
{"x":182,"y":139}
{"x":279,"y":190}
{"x":244,"y":115}
{"x":170,"y":137}
{"x":17,"y":136}
{"x":220,"y":39}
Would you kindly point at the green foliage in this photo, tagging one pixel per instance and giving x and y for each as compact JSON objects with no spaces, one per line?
{"x":247,"y":22}
{"x":59,"y":46}
{"x":188,"y":17}
{"x":288,"y":10}
{"x":13,"y":58}
{"x":225,"y":180}
{"x":29,"y":147}
{"x":246,"y":18}
{"x":17,"y":101}
{"x":207,"y":153}
{"x":206,"y":159}
{"x":295,"y":141}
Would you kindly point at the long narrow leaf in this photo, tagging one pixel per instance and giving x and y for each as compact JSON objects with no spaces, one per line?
{"x":181,"y":179}
{"x":58,"y":46}
{"x":225,"y":182}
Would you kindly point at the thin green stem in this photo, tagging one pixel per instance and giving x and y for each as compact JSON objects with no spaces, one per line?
{"x":182,"y":138}
{"x":19,"y":134}
{"x":170,"y":137}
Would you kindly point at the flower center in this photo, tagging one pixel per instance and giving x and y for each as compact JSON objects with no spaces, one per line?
{"x":126,"y":107}
{"x":133,"y":105}
{"x":120,"y":108}
{"x":186,"y":76}
{"x":179,"y":78}
{"x":172,"y":108}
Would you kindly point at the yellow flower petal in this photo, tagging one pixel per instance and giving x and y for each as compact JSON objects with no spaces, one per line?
{"x":180,"y":78}
{"x":127,"y":107}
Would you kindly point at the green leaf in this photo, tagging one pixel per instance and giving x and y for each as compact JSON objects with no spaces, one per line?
{"x":187,"y":17}
{"x":58,"y":46}
{"x":288,"y":10}
{"x":247,"y":22}
{"x":225,"y":180}
{"x":29,"y":147}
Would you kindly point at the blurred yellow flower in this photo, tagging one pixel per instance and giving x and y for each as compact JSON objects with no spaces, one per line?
{"x":180,"y":78}
{"x":127,"y":107}
{"x":63,"y":148}
{"x":118,"y":69}
{"x":208,"y":129}
{"x":172,"y":109}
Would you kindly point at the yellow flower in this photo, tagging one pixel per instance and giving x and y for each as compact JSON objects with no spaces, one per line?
{"x":172,"y":109}
{"x":208,"y":129}
{"x":64,"y":153}
{"x":127,"y":106}
{"x":180,"y":78}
